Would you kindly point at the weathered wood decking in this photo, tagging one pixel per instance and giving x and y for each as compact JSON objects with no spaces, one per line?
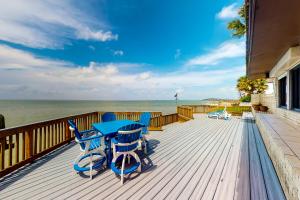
{"x":199,"y":159}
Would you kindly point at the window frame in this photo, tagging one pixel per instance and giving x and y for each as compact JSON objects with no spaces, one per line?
{"x":282,"y":90}
{"x":295,"y":70}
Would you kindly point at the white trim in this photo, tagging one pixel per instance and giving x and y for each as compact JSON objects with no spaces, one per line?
{"x":282,"y":76}
{"x":127,"y":144}
{"x":289,"y":60}
{"x":129,"y":132}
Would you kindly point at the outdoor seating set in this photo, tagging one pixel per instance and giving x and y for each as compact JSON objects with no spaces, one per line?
{"x":220,"y":114}
{"x":121,"y":139}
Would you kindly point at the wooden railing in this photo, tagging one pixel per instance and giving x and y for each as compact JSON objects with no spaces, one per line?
{"x":234,"y":110}
{"x":23,"y":144}
{"x":169,"y":119}
{"x":185,"y":113}
{"x":155,"y":123}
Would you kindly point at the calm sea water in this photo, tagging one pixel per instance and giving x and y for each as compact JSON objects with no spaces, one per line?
{"x":20,"y":112}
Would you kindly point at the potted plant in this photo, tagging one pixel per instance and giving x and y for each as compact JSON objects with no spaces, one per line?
{"x":256,"y":107}
{"x":263,"y":108}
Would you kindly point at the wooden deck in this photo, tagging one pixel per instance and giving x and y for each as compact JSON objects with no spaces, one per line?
{"x":199,"y":159}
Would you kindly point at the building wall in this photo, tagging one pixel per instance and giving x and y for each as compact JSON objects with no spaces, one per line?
{"x":271,"y":102}
{"x":288,"y":61}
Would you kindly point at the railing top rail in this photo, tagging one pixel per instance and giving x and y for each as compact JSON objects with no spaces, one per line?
{"x":6,"y":131}
{"x":134,"y":112}
{"x":12,"y":130}
{"x":170,"y":114}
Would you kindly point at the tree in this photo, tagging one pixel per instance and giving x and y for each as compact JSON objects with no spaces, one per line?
{"x":246,"y":87}
{"x":260,"y":85}
{"x":238,"y":26}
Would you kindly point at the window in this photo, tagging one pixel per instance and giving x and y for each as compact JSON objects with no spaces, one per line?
{"x":282,"y":92}
{"x":295,"y":88}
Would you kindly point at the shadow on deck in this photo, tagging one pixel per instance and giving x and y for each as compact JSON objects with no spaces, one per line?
{"x":199,"y":159}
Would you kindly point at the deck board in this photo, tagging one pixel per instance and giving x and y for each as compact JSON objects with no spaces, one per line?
{"x":227,"y":184}
{"x":257,"y":181}
{"x":199,"y":159}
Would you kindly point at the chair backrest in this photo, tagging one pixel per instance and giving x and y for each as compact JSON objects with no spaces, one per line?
{"x":108,"y":116}
{"x":128,"y":135}
{"x":145,"y":120}
{"x":76,"y":132}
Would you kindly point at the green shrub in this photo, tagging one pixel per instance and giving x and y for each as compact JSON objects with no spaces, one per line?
{"x":245,"y":98}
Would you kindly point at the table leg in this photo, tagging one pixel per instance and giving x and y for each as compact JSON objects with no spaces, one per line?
{"x":108,"y":151}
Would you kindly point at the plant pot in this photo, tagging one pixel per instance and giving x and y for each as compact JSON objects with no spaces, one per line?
{"x":256,"y":107}
{"x":263,"y":108}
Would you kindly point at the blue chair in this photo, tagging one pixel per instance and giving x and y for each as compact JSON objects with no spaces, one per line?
{"x":145,"y":120}
{"x":108,"y":116}
{"x":124,"y":145}
{"x":215,"y":114}
{"x":220,"y":114}
{"x":90,"y":143}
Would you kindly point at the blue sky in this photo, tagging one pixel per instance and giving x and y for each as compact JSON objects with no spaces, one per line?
{"x":120,"y":50}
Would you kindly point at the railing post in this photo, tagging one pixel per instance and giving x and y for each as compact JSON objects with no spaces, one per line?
{"x":68,"y":132}
{"x":29,"y":144}
{"x":2,"y":122}
{"x":2,"y":152}
{"x":96,"y":117}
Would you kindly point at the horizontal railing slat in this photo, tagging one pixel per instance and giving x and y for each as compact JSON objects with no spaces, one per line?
{"x":234,"y":109}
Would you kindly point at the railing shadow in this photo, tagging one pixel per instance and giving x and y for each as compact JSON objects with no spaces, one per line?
{"x":147,"y":164}
{"x":30,"y":167}
{"x":152,"y":145}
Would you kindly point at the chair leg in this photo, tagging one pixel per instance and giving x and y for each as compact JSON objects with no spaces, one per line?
{"x":145,"y":148}
{"x":104,"y":156}
{"x":78,"y":157}
{"x":128,"y":156}
{"x":122,"y":169}
{"x":140,"y":144}
{"x":91,"y":166}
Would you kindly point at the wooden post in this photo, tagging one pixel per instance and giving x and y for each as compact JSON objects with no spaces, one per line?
{"x":68,"y":132}
{"x":2,"y":122}
{"x":160,"y":121}
{"x":17,"y":148}
{"x":10,"y":150}
{"x":28,"y":144}
{"x":97,"y":117}
{"x":2,"y":153}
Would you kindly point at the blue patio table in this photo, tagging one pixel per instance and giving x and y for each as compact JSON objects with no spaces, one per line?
{"x":110,"y":130}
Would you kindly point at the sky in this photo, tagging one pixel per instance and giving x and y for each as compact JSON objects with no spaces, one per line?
{"x":119,"y":50}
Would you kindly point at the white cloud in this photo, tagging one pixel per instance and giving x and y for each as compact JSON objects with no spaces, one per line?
{"x":49,"y":23}
{"x":228,"y":12}
{"x":118,"y":53}
{"x":24,"y":75}
{"x":179,"y":90}
{"x":11,"y":58}
{"x":228,"y":49}
{"x":145,"y":75}
{"x":88,"y":34}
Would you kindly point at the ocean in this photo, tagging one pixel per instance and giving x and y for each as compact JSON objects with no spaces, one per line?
{"x":21,"y":112}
